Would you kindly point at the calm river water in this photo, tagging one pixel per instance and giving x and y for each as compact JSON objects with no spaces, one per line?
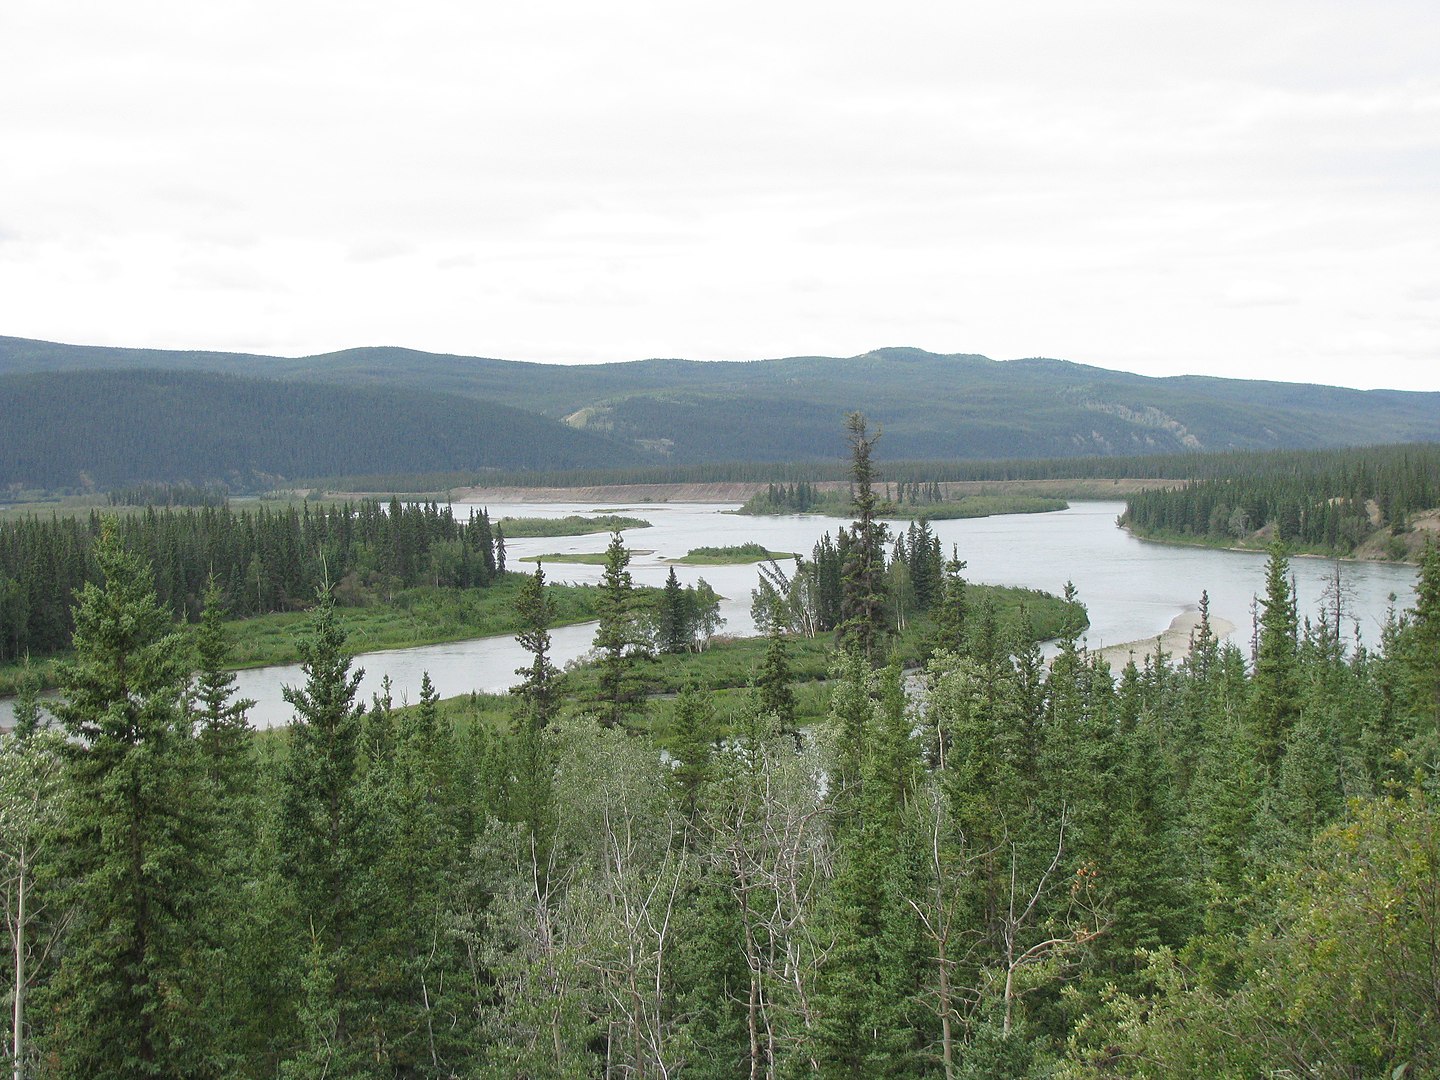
{"x":1133,"y":589}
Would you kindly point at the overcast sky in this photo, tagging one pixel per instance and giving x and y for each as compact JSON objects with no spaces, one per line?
{"x":1241,"y":189}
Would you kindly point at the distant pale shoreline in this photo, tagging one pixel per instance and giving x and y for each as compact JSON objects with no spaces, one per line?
{"x":1174,"y":639}
{"x":739,"y":491}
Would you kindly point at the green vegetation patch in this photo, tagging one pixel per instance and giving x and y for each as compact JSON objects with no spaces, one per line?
{"x":732,"y":707}
{"x":573,"y":525}
{"x":585,"y":558}
{"x":421,"y":616}
{"x":730,"y":556}
{"x":978,"y":506}
{"x":730,"y":663}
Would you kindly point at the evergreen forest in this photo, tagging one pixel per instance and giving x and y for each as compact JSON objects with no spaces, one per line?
{"x":1330,"y":502}
{"x":263,"y":560}
{"x":1225,"y":865}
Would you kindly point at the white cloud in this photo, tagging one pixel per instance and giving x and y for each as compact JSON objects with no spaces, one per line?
{"x":1257,"y":294}
{"x":1221,"y":188}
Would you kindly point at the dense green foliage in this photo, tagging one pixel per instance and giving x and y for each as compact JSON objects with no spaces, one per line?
{"x":180,"y":494}
{"x":264,"y":560}
{"x":1179,"y":870}
{"x":1226,"y":866}
{"x":1330,"y":502}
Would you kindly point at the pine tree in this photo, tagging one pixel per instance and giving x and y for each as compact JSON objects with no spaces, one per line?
{"x":777,"y":696}
{"x":674,"y":630}
{"x":694,"y":748}
{"x":125,"y":992}
{"x":951,"y":608}
{"x":537,"y":688}
{"x":863,"y":596}
{"x":1418,"y":655}
{"x":1276,"y":686}
{"x":322,"y":825}
{"x":223,"y":727}
{"x":617,"y":638}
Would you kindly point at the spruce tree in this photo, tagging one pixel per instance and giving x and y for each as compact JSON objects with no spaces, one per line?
{"x":322,"y":826}
{"x":1275,"y":702}
{"x":617,"y":638}
{"x":863,"y":602}
{"x":537,"y":687}
{"x":694,"y":748}
{"x":125,"y":992}
{"x":411,"y":982}
{"x":1418,"y":655}
{"x":950,"y":607}
{"x":674,"y":631}
{"x":872,"y":1020}
{"x":232,"y":950}
{"x":223,"y":727}
{"x":531,"y":771}
{"x":777,"y":696}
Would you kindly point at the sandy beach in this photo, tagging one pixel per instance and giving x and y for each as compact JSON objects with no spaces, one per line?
{"x":1175,"y":639}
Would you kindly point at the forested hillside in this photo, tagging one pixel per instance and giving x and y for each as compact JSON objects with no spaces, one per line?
{"x":84,"y":430}
{"x":931,"y":406}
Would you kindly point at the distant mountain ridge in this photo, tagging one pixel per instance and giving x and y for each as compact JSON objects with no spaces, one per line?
{"x":930,"y":406}
{"x":109,"y":428}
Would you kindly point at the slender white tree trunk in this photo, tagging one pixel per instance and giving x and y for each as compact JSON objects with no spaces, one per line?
{"x":18,"y":1041}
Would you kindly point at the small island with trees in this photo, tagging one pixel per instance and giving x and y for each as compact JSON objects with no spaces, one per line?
{"x":731,"y":555}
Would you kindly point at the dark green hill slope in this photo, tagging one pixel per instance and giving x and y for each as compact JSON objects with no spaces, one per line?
{"x":80,"y":429}
{"x":930,"y":406}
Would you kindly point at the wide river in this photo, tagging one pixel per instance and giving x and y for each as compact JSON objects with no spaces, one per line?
{"x":1133,"y":589}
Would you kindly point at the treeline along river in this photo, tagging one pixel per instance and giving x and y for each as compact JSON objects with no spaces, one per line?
{"x":1133,"y":588}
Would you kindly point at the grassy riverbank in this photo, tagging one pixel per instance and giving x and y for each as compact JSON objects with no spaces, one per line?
{"x":426,"y":616}
{"x":422,"y":616}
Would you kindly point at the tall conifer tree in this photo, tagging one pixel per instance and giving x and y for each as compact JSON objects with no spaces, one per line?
{"x":322,"y":825}
{"x":1277,"y":690}
{"x":125,"y":991}
{"x":863,"y":597}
